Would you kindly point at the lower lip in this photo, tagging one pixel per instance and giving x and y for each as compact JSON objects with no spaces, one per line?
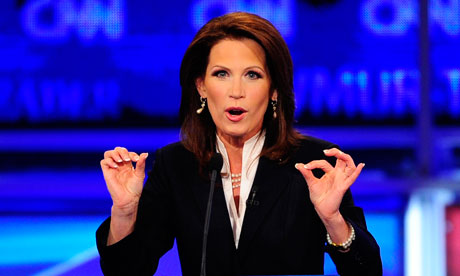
{"x":235,"y":118}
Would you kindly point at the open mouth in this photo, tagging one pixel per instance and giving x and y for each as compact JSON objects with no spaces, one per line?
{"x":235,"y":112}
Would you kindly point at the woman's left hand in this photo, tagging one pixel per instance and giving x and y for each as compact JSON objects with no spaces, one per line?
{"x":326,"y":193}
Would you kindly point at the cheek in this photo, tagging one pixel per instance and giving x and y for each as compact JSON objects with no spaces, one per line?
{"x":262,"y":110}
{"x":262,"y":102}
{"x":214,"y":101}
{"x":215,"y":93}
{"x":214,"y":107}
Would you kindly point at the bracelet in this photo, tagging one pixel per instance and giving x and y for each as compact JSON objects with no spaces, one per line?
{"x":347,"y":243}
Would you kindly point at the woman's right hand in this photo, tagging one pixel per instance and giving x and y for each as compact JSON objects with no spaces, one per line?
{"x":123,"y":181}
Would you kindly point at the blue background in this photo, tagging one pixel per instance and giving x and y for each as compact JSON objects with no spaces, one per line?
{"x":78,"y":77}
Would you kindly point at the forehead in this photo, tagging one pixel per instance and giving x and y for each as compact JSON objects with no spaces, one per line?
{"x":235,"y":51}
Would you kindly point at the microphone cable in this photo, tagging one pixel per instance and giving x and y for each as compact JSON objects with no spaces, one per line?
{"x":216,"y":165}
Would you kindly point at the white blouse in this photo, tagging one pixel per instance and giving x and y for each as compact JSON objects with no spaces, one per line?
{"x":251,"y":153}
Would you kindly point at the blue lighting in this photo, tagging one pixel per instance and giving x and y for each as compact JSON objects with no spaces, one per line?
{"x":394,"y":95}
{"x":51,"y":100}
{"x":280,"y":12}
{"x":388,"y":17}
{"x":87,"y":20}
{"x":396,"y":17}
{"x":32,"y":240}
{"x":113,"y":65}
{"x":454,"y":81}
{"x":80,"y":62}
{"x":347,"y":78}
{"x":446,"y":14}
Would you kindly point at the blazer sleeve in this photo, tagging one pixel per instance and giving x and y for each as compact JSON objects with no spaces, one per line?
{"x":153,"y":235}
{"x":363,"y":258}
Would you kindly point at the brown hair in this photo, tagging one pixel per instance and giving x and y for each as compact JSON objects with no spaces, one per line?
{"x":198,"y":131}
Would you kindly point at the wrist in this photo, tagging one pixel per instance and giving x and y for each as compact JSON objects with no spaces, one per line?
{"x":344,"y":246}
{"x":338,"y":230}
{"x":332,"y":219}
{"x":125,"y":211}
{"x":122,"y":223}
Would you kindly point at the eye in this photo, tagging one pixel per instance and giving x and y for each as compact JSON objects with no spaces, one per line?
{"x":254,"y":75}
{"x":220,"y":74}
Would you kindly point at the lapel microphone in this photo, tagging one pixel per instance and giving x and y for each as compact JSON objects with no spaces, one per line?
{"x":215,"y":164}
{"x":251,"y":201}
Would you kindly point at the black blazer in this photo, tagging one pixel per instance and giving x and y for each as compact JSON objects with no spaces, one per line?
{"x":281,"y":235}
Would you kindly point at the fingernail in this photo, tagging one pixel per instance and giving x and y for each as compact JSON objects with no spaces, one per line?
{"x":127,"y":159}
{"x":364,"y":164}
{"x":136,"y":158}
{"x":306,"y":166}
{"x":115,"y":166}
{"x":296,"y":165}
{"x":146,"y":155}
{"x":326,"y":151}
{"x":119,"y":160}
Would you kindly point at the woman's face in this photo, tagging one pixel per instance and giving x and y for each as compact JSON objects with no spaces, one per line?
{"x":237,"y":87}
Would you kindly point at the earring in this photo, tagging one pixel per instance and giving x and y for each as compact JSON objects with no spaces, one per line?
{"x":274,"y":103}
{"x":203,"y":104}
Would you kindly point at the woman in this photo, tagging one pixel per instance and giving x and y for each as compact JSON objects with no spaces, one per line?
{"x":277,"y":201}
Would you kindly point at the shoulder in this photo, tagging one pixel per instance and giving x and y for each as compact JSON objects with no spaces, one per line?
{"x":176,"y":147}
{"x":173,"y":160}
{"x":311,"y":148}
{"x":174,"y":151}
{"x":311,"y":142}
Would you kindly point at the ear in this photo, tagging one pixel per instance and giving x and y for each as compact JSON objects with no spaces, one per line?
{"x":199,"y":83}
{"x":274,"y":95}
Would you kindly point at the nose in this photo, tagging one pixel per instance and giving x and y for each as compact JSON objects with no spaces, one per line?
{"x":237,"y":90}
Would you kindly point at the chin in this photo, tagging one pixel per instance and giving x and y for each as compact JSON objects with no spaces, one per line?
{"x":234,"y":132}
{"x":240,"y":133}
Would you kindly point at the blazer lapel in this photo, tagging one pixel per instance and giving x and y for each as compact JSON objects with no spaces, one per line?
{"x":269,"y":183}
{"x":200,"y":189}
{"x":220,"y":221}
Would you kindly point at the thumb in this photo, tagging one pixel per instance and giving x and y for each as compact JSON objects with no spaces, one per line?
{"x":140,"y":165}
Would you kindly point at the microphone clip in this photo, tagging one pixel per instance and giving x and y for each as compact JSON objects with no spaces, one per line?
{"x":252,"y":201}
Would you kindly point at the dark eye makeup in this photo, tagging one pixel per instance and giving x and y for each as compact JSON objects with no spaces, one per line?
{"x":254,"y":75}
{"x":220,"y":73}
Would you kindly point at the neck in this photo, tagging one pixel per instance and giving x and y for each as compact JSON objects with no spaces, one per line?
{"x":234,"y":142}
{"x":235,"y":156}
{"x":234,"y":147}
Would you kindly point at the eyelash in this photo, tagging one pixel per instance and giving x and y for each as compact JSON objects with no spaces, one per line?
{"x":257,"y":75}
{"x":219,"y":72}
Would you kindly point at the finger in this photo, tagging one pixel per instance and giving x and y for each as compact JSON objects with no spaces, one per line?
{"x":332,"y":152}
{"x":319,"y":164}
{"x":108,"y":163}
{"x":114,"y":155}
{"x":348,"y":160}
{"x":340,"y":164}
{"x":352,"y":178}
{"x":123,"y":153}
{"x":140,"y":165}
{"x":134,"y":156}
{"x":349,"y":171}
{"x":340,"y":155}
{"x":307,"y":174}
